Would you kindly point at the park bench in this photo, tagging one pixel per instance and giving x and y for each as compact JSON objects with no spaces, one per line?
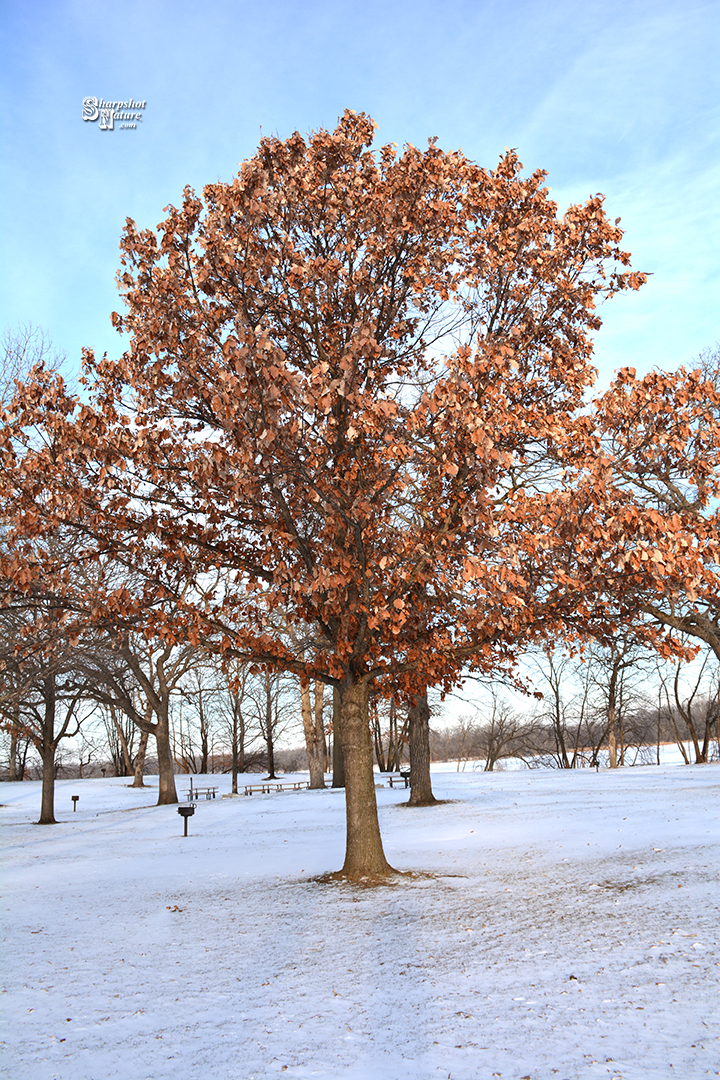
{"x":195,"y":793}
{"x":267,"y":787}
{"x":403,"y":777}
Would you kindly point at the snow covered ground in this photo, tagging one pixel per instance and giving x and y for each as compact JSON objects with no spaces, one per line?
{"x":562,"y":925}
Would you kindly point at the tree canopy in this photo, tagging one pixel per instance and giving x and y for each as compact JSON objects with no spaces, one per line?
{"x":353,"y":395}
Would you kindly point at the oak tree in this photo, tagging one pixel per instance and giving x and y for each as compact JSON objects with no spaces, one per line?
{"x":351,"y":375}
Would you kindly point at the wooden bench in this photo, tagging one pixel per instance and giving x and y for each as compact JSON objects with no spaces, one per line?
{"x":269,"y":786}
{"x":195,"y":793}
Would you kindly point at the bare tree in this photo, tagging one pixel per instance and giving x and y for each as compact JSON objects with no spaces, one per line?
{"x":617,"y":674}
{"x":17,"y":747}
{"x":121,"y":737}
{"x":231,"y":702}
{"x":195,"y":727}
{"x":140,"y":678}
{"x":389,"y":731}
{"x":562,"y":719}
{"x":49,"y":709}
{"x":20,"y":351}
{"x":271,"y":707}
{"x":694,"y":715}
{"x":502,"y":734}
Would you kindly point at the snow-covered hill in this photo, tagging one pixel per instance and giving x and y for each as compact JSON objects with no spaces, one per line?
{"x":561,"y":924}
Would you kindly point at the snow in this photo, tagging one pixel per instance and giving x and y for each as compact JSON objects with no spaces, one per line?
{"x":560,"y":924}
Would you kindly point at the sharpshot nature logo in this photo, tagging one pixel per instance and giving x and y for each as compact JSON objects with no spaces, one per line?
{"x":127,"y":114}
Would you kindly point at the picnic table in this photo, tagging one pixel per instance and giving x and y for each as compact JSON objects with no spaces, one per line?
{"x":402,"y":777}
{"x":266,"y":787}
{"x":195,"y":793}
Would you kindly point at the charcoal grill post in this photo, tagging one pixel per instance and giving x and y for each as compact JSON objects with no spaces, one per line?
{"x":75,"y":802}
{"x":186,"y":812}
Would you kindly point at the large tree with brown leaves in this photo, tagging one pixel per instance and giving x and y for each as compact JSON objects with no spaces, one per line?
{"x":351,"y":373}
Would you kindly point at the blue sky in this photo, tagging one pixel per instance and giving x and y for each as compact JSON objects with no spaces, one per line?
{"x":621,"y":98}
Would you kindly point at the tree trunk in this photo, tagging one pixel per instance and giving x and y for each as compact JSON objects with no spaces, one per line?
{"x":710,"y":719}
{"x":12,"y":763}
{"x":124,"y":748}
{"x":377,"y":739}
{"x":47,"y":805}
{"x":364,"y":855}
{"x":22,"y":759}
{"x":269,"y":740}
{"x":421,"y":793}
{"x":204,"y":736}
{"x":679,"y":739}
{"x":238,"y":742}
{"x":612,"y":715}
{"x":167,"y":792}
{"x":314,"y":745}
{"x":140,"y":760}
{"x":318,"y":714}
{"x":270,"y":756}
{"x":394,"y":753}
{"x":234,"y":767}
{"x":612,"y":739}
{"x":338,"y":764}
{"x":560,"y":747}
{"x":47,"y":754}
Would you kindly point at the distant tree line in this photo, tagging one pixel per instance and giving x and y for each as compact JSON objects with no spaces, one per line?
{"x":612,"y":708}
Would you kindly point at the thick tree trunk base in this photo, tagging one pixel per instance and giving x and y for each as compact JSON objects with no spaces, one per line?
{"x":381,"y":871}
{"x":165,"y":798}
{"x":366,"y":881}
{"x":364,"y":855}
{"x":418,"y":799}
